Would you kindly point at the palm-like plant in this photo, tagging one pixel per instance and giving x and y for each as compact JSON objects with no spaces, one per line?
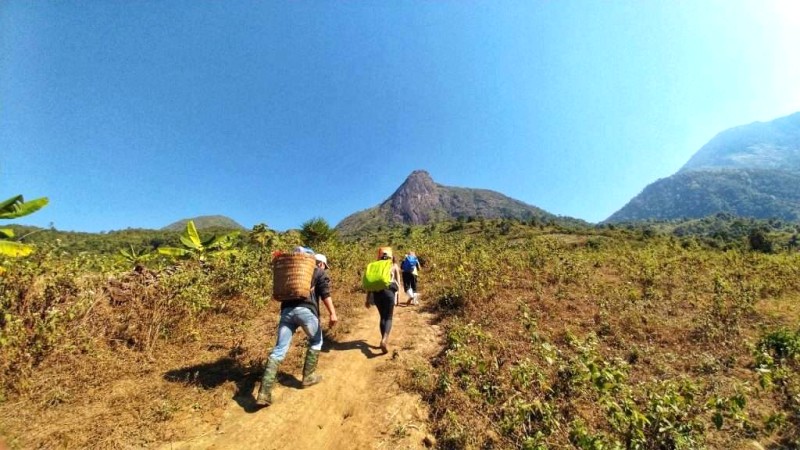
{"x":11,"y":209}
{"x":194,"y":246}
{"x":134,"y":256}
{"x":262,"y":235}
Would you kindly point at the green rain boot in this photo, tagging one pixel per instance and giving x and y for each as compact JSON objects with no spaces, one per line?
{"x":309,"y":377}
{"x":265,"y":393}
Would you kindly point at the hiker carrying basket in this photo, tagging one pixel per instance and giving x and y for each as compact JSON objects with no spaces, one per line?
{"x":300,"y":281}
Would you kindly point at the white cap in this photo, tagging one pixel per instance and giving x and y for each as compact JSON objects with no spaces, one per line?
{"x":321,"y":258}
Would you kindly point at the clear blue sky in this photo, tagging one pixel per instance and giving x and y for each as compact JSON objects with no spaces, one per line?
{"x":138,"y":114}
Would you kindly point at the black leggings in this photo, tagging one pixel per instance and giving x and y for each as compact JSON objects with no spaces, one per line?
{"x":384,"y":301}
{"x":409,"y":281}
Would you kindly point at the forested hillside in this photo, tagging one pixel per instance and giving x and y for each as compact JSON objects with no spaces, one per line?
{"x":749,"y":171}
{"x":757,"y":193}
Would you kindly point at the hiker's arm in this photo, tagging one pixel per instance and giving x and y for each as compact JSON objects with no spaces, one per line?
{"x":398,"y":277}
{"x":323,"y":288}
{"x":328,"y":302}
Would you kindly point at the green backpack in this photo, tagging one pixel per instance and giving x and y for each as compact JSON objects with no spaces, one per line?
{"x":378,"y":275}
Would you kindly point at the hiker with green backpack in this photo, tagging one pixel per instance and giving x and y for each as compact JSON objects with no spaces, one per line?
{"x":381,"y":281}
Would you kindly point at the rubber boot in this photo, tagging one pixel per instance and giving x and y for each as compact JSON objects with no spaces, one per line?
{"x":309,"y":377}
{"x":265,"y":392}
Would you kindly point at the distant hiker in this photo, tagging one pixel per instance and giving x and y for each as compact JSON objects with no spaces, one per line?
{"x":381,"y":281}
{"x":303,"y":312}
{"x":410,"y":267}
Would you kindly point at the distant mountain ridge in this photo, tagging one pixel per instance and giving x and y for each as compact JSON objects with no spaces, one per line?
{"x":750,"y":171}
{"x":759,"y":145}
{"x":205,"y":222}
{"x":419,"y":200}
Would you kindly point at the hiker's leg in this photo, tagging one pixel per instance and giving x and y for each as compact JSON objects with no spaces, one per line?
{"x":286,"y":329}
{"x":414,"y":289}
{"x":264,"y":397}
{"x":285,"y":332}
{"x":310,"y":324}
{"x":408,"y":284}
{"x":310,"y":377}
{"x":313,"y":330}
{"x":384,"y":301}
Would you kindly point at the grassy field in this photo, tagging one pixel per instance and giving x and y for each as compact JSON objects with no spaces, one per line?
{"x":590,"y":338}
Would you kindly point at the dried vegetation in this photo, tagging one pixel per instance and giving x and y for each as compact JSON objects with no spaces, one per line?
{"x":555,"y":338}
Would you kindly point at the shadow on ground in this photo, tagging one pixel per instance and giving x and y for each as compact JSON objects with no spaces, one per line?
{"x":214,"y":374}
{"x":359,"y":344}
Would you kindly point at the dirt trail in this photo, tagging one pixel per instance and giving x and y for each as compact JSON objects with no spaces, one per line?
{"x":358,"y":405}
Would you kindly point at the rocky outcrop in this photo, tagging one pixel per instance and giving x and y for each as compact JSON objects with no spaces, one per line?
{"x":420,"y":200}
{"x":412,"y":202}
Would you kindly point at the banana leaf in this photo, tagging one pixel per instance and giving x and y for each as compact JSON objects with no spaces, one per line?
{"x":189,"y":243}
{"x":15,"y":249}
{"x":208,"y":241}
{"x":190,"y":237}
{"x":224,"y":241}
{"x":128,"y":254}
{"x":17,"y":207}
{"x":222,"y":253}
{"x":172,"y":251}
{"x":5,"y":205}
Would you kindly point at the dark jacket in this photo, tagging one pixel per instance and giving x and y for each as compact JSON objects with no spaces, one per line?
{"x":320,"y":289}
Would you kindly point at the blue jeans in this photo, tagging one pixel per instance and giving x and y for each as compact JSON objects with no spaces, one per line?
{"x":291,"y":318}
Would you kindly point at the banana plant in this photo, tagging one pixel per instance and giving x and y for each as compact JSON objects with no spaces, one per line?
{"x":11,"y":209}
{"x":135,"y":256}
{"x":194,"y":246}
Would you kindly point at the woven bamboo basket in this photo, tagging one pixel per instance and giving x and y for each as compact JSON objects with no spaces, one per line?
{"x":292,"y":275}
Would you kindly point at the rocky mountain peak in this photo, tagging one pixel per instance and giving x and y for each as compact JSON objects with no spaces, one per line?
{"x":420,"y":201}
{"x":419,"y":183}
{"x":414,"y":198}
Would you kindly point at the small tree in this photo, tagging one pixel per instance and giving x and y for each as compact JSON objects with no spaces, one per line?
{"x":316,"y":231}
{"x":759,"y":241}
{"x":262,"y":235}
{"x":11,"y":209}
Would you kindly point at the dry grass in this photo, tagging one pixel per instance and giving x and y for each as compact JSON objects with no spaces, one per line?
{"x":109,"y":385}
{"x":526,"y":317}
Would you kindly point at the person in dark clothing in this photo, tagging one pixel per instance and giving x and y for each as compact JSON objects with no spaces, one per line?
{"x":410,"y":267}
{"x":384,"y":300}
{"x":304,"y":313}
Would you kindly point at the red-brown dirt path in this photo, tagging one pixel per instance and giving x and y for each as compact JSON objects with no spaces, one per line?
{"x":358,"y":405}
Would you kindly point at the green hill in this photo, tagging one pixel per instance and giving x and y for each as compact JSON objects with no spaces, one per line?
{"x":747,"y":171}
{"x":754,"y":193}
{"x":206,"y":222}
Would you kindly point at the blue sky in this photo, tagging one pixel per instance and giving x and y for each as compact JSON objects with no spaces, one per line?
{"x":138,"y":114}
